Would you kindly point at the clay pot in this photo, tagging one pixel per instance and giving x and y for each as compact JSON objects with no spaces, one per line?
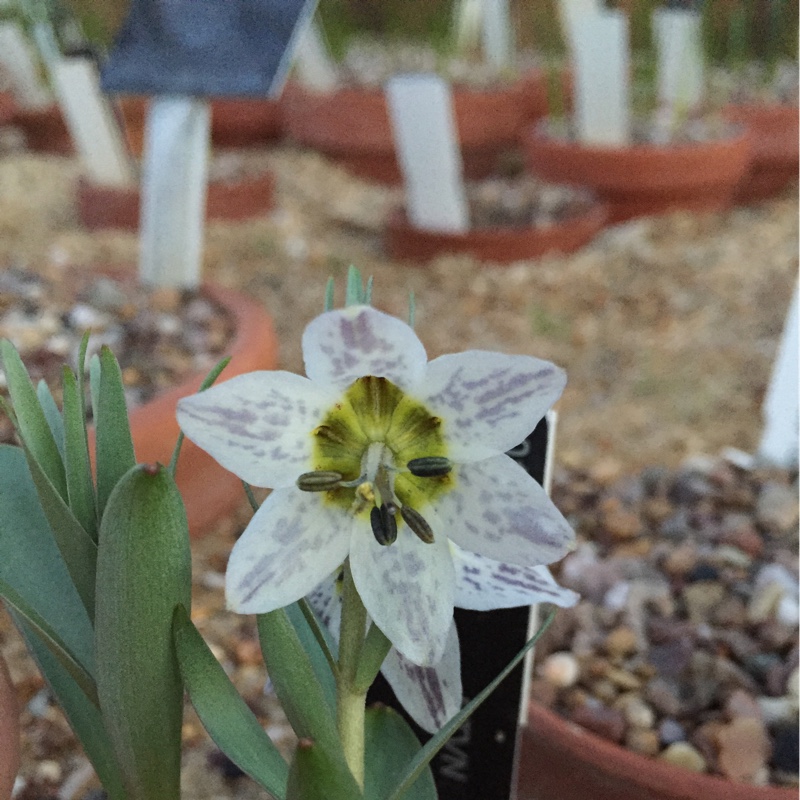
{"x":8,"y":108}
{"x":559,"y":759}
{"x":641,"y":180}
{"x":499,"y":245}
{"x":209,"y":491}
{"x":9,"y":732}
{"x":352,"y":125}
{"x":775,"y":131}
{"x":45,"y":130}
{"x":112,"y":207}
{"x":235,"y":122}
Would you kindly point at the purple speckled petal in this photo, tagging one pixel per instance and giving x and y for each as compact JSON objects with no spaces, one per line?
{"x":294,"y":541}
{"x":407,"y":589}
{"x":489,"y":401}
{"x":431,"y":695}
{"x":483,"y":584}
{"x":258,"y":425}
{"x":326,"y":601}
{"x":497,"y":510}
{"x":341,"y":346}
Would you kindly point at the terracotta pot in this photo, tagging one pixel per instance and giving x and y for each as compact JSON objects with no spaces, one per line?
{"x":563,"y":761}
{"x":9,"y":732}
{"x":352,"y":124}
{"x":775,"y":131}
{"x":644,"y":179}
{"x":209,"y":491}
{"x":45,"y":130}
{"x":111,"y":207}
{"x":235,"y":122}
{"x":500,"y":245}
{"x":8,"y":108}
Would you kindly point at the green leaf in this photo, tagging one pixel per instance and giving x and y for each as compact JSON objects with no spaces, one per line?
{"x":390,"y":746}
{"x":80,"y":488}
{"x":94,"y":383}
{"x":51,"y":639}
{"x":31,"y":420}
{"x":420,"y":761}
{"x":51,"y":414}
{"x":77,"y":547}
{"x":143,"y":572}
{"x":84,"y":718}
{"x":292,"y":673}
{"x":317,"y":643}
{"x":373,"y":654}
{"x":114,"y":445}
{"x":226,"y":717}
{"x":318,"y":774}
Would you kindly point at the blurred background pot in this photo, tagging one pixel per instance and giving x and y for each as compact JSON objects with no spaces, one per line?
{"x":9,"y":732}
{"x":45,"y":130}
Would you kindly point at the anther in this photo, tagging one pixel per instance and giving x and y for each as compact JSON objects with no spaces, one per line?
{"x":384,"y":525}
{"x":417,"y":523}
{"x":320,"y":481}
{"x":430,"y":466}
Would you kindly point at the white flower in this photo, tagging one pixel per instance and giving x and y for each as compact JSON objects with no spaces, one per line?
{"x":432,"y":695}
{"x":335,"y":448}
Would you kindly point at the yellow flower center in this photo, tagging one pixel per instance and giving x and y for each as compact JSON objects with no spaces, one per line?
{"x":368,"y":438}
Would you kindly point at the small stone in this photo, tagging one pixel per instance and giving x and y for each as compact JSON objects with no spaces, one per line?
{"x":701,"y":597}
{"x":738,"y":531}
{"x":560,"y":669}
{"x":775,"y":635}
{"x":605,"y":690}
{"x":682,"y":754}
{"x":606,"y":722}
{"x":777,"y":509}
{"x":165,"y":299}
{"x":703,"y":572}
{"x":730,"y":613}
{"x":642,"y":741}
{"x":743,"y":749}
{"x":681,"y":560}
{"x":621,"y":642}
{"x":671,"y":731}
{"x":742,"y":704}
{"x":671,"y":658}
{"x":620,"y":522}
{"x":623,"y":679}
{"x":764,"y":602}
{"x":728,"y":556}
{"x":775,"y":710}
{"x":638,"y":713}
{"x":49,"y":771}
{"x":663,"y":696}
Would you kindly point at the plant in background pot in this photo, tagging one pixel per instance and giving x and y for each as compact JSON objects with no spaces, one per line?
{"x":492,"y":99}
{"x":754,"y":82}
{"x":640,"y":160}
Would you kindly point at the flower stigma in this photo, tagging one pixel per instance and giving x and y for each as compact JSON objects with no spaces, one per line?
{"x":380,"y":454}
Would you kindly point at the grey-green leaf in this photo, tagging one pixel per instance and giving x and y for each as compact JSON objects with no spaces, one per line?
{"x":143,"y":573}
{"x":318,"y":774}
{"x":51,"y":414}
{"x":390,"y":746}
{"x":114,"y":444}
{"x":80,"y":487}
{"x":33,"y":426}
{"x":226,"y":717}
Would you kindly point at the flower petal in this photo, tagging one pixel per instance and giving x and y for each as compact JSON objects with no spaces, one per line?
{"x":326,"y":601}
{"x":483,"y":584}
{"x":349,"y":343}
{"x":407,"y":589}
{"x":489,"y":401}
{"x":258,"y":425}
{"x":293,"y":542}
{"x":431,"y":695}
{"x":497,"y":510}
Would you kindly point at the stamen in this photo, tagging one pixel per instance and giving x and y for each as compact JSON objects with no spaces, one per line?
{"x":319,"y":481}
{"x":429,"y":466}
{"x":417,"y":523}
{"x":384,"y":525}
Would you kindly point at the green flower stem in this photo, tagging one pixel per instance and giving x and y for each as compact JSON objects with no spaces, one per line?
{"x":350,"y":698}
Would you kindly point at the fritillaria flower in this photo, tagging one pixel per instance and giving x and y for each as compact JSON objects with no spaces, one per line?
{"x":383,"y":458}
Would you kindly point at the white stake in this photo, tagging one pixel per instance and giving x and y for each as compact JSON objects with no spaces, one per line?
{"x":313,"y":63}
{"x":601,"y":63}
{"x":19,"y":62}
{"x":680,"y":60}
{"x":568,"y":12}
{"x":779,"y":442}
{"x":91,"y":122}
{"x":466,"y":24}
{"x":426,"y":141}
{"x":497,"y":40}
{"x":174,"y":174}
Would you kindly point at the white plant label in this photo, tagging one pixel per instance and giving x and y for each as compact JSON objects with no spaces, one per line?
{"x":680,"y":60}
{"x":602,"y":85}
{"x":174,"y":176}
{"x":498,"y":47}
{"x":426,"y":141}
{"x":568,"y":12}
{"x":312,"y":61}
{"x":91,"y":122}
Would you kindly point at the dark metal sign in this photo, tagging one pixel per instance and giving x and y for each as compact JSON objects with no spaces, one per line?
{"x":205,"y":48}
{"x":478,"y":763}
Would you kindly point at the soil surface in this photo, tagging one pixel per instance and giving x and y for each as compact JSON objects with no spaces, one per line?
{"x":667,"y":329}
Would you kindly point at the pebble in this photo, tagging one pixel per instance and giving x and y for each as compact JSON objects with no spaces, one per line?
{"x":637,"y":713}
{"x":671,"y":731}
{"x":701,"y":597}
{"x":743,"y":749}
{"x":765,"y":601}
{"x":663,"y":696}
{"x":642,"y":741}
{"x":682,"y":754}
{"x":777,"y":509}
{"x":621,"y":641}
{"x":777,"y":709}
{"x":742,"y":704}
{"x":560,"y":669}
{"x":619,"y":521}
{"x":606,"y":722}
